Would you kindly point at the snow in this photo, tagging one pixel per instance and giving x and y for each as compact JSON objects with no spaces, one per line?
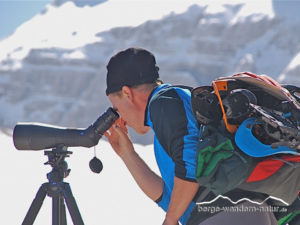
{"x":291,"y":73}
{"x":52,"y":69}
{"x":77,"y":54}
{"x":294,"y":63}
{"x":111,"y":197}
{"x":254,"y":11}
{"x":74,"y":30}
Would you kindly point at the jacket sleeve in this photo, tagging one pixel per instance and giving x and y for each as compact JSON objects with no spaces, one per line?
{"x":177,"y":131}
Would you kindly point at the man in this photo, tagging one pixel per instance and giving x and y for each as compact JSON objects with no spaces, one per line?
{"x":144,"y":103}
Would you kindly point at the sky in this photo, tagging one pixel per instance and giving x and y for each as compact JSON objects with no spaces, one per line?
{"x":15,"y":12}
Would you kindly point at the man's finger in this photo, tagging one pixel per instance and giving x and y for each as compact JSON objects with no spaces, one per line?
{"x":119,"y":130}
{"x":122,"y":124}
{"x":106,"y":134}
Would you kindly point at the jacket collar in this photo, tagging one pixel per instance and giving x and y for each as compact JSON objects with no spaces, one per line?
{"x":154,"y":91}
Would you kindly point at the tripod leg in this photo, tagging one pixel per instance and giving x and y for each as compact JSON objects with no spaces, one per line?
{"x":62,"y":207}
{"x":35,"y":206}
{"x":72,"y":206}
{"x":58,"y":211}
{"x":55,"y":210}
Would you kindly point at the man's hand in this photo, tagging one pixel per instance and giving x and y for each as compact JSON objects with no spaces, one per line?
{"x":150,"y":183}
{"x":167,"y":222}
{"x":118,"y":138}
{"x":182,"y":194}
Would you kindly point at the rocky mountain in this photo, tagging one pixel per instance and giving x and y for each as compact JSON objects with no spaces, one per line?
{"x":53,"y":68}
{"x":79,"y":3}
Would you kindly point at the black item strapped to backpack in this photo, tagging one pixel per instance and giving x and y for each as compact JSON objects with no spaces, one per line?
{"x":251,"y":136}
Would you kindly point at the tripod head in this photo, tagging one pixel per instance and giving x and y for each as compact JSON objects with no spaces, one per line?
{"x":56,"y":159}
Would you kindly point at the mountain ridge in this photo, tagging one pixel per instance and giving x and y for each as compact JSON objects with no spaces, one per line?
{"x":45,"y":82}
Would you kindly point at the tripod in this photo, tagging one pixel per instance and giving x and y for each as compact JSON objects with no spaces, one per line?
{"x":59,"y":191}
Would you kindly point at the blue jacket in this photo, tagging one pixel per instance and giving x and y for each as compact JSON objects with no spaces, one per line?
{"x":169,"y":114}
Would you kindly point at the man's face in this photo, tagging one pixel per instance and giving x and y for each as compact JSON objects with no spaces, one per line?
{"x":132,"y":113}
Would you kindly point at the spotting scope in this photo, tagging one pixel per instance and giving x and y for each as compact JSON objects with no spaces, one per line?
{"x":38,"y":136}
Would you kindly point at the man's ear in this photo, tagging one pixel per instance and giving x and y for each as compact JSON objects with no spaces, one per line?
{"x":127,"y":93}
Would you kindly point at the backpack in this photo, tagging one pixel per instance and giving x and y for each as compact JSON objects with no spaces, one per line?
{"x":249,"y":136}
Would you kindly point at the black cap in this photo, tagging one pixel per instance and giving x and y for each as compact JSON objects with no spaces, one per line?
{"x":130,"y":67}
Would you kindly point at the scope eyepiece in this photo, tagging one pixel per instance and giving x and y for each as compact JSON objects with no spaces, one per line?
{"x":104,"y":122}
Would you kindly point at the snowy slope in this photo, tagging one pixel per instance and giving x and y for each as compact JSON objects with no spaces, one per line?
{"x":111,"y":197}
{"x":52,"y":69}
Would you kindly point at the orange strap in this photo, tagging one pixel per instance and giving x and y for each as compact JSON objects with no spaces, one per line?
{"x":222,"y":85}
